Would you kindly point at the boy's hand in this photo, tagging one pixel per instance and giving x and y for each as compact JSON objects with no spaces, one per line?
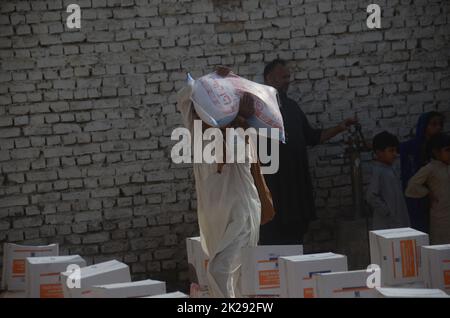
{"x":223,"y":70}
{"x":246,"y":106}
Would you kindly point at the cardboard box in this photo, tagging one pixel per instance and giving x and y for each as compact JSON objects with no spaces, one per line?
{"x":99,"y":274}
{"x":384,"y":292}
{"x":13,"y":294}
{"x":436,"y":266}
{"x":397,"y":252}
{"x":262,"y":296}
{"x":170,"y":295}
{"x":14,"y":256}
{"x":129,"y":290}
{"x":43,"y":275}
{"x":198,"y":262}
{"x":352,"y":284}
{"x":406,"y":285}
{"x":296,"y":272}
{"x":260,"y":272}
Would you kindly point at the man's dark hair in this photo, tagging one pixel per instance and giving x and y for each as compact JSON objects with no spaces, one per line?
{"x":437,"y":143}
{"x":383,"y":140}
{"x":269,"y":67}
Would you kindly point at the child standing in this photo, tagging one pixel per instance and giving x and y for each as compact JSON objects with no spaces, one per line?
{"x":413,"y":156}
{"x":433,"y":180}
{"x":385,"y":194}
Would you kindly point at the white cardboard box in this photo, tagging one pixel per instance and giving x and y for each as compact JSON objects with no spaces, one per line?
{"x":129,"y":290}
{"x":296,"y":272}
{"x":384,"y":292}
{"x":99,"y":274}
{"x":352,"y":284}
{"x":43,"y":275}
{"x":197,"y":260}
{"x":170,"y":295}
{"x":14,"y":272}
{"x":13,"y":294}
{"x":436,"y":266}
{"x":260,"y":271}
{"x":406,"y":285}
{"x":397,"y":252}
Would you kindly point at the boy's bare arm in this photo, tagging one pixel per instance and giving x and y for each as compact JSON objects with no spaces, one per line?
{"x":246,"y":109}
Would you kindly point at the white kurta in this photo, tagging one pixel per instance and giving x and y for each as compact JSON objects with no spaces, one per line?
{"x":229,"y":212}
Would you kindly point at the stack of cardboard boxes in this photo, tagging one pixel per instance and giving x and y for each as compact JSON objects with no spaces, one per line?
{"x":14,"y":263}
{"x":111,"y":272}
{"x":38,"y":272}
{"x":43,"y":275}
{"x":403,"y":265}
{"x":408,"y":264}
{"x":259,"y":271}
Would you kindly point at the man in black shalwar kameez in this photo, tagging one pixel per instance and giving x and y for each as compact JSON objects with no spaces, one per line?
{"x":291,"y":186}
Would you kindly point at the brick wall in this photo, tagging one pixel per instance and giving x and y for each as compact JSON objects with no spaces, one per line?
{"x":86,"y":115}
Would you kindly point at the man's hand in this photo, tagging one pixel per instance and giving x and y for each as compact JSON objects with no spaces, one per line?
{"x":331,"y":132}
{"x":246,"y":106}
{"x":223,"y":70}
{"x":347,"y":123}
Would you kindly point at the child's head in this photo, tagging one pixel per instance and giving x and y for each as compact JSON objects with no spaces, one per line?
{"x":439,"y":146}
{"x":435,"y":122}
{"x":385,"y":147}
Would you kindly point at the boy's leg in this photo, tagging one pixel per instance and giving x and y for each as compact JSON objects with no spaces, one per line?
{"x":224,"y":269}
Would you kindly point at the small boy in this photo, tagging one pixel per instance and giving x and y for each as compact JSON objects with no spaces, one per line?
{"x":433,"y":180}
{"x":385,"y":195}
